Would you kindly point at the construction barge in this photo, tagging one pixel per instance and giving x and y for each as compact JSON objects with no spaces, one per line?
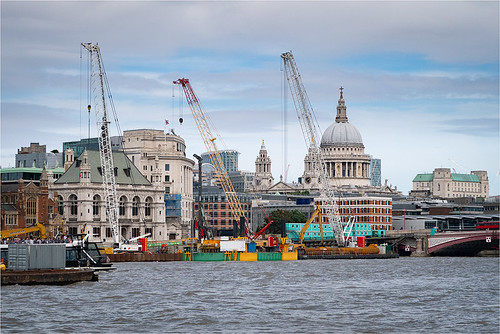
{"x":48,"y":276}
{"x":29,"y":264}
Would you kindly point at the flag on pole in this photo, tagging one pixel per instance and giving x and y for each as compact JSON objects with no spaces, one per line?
{"x":166,"y":122}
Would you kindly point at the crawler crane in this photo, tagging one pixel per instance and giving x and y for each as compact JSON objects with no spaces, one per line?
{"x":310,"y":129}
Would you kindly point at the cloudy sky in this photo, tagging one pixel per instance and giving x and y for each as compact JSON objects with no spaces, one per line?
{"x":421,"y":78}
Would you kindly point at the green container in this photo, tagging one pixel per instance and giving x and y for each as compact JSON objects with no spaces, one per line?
{"x":208,"y":257}
{"x":275,"y":256}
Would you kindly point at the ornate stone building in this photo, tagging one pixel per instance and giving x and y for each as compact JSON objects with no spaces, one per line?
{"x":148,"y":148}
{"x":24,"y":205}
{"x":82,"y":203}
{"x":263,"y":178}
{"x":443,"y":183}
{"x":343,"y":152}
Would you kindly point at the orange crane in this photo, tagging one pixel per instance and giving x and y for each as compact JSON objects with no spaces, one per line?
{"x":204,"y":125}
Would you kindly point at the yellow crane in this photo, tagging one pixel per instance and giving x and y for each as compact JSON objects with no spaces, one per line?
{"x":316,"y":214}
{"x":12,"y":233}
{"x":203,"y":123}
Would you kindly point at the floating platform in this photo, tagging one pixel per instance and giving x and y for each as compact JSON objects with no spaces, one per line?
{"x":347,"y":256}
{"x":239,"y":256}
{"x":145,"y":257}
{"x":48,"y":276}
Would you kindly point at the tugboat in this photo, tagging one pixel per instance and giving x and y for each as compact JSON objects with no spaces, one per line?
{"x":84,"y":253}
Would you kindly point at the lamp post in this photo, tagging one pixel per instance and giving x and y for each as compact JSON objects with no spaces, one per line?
{"x":200,"y":215}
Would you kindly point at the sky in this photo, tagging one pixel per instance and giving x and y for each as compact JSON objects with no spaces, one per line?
{"x":420,"y":78}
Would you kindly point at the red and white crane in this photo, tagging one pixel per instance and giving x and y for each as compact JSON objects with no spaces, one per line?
{"x":205,"y":126}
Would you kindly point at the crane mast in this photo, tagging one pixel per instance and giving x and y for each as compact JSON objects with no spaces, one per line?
{"x":215,"y":157}
{"x":97,"y":83}
{"x":310,"y":130}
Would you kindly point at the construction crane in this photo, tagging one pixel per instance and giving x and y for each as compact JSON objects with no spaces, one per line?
{"x":98,"y":84}
{"x":310,"y":129}
{"x":204,"y":125}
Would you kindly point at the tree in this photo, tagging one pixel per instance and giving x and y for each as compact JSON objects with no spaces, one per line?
{"x":293,"y":216}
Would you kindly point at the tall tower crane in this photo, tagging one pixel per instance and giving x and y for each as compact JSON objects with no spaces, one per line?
{"x":204,"y":123}
{"x":310,"y":129}
{"x":98,"y":83}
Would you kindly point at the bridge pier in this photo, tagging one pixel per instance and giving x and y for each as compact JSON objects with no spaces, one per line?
{"x":421,"y":249}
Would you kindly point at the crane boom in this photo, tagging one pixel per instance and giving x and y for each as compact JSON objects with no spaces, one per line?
{"x":211,"y":146}
{"x":310,"y":130}
{"x":108,"y":176}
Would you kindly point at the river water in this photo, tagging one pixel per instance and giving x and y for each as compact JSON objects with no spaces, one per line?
{"x":405,"y":295}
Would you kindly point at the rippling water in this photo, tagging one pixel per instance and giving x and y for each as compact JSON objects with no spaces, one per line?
{"x":406,"y":295}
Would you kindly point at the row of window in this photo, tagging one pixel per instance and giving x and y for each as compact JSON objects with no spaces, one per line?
{"x":97,"y":203}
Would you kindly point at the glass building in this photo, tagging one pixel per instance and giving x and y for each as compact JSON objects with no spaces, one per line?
{"x":229,"y":158}
{"x":375,"y":172}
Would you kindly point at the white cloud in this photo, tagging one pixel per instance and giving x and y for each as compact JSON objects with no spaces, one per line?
{"x":414,"y":116}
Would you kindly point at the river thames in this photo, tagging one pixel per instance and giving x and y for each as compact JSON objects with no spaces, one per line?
{"x":405,"y":295}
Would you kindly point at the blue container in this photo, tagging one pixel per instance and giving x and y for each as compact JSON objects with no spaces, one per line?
{"x":251,"y":247}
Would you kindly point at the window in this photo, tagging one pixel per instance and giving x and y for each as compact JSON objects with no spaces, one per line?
{"x":147,"y":207}
{"x":135,"y":206}
{"x":136,"y":232}
{"x":167,"y":178}
{"x":96,"y":204}
{"x":167,"y":190}
{"x":121,"y":207}
{"x":108,"y":232}
{"x":60,"y":206}
{"x":167,"y":167}
{"x":97,"y":232}
{"x":11,"y":219}
{"x":73,"y":203}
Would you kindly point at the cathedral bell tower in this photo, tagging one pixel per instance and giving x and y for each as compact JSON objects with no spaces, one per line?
{"x":263,"y":178}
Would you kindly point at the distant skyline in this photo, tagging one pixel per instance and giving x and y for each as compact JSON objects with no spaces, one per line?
{"x":421,"y":79}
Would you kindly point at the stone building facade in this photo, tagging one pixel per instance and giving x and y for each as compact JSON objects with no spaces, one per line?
{"x":148,"y":148}
{"x":442,"y":183}
{"x":347,"y":164}
{"x":263,"y":178}
{"x":82,"y":203}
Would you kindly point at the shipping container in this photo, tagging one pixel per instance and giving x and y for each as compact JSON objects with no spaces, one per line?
{"x":36,"y":256}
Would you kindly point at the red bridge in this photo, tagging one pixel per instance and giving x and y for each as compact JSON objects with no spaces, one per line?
{"x":462,"y":243}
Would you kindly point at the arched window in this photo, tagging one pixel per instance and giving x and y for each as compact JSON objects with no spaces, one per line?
{"x":73,"y":205}
{"x":147,"y":207}
{"x":60,"y":206}
{"x":31,"y":206}
{"x":96,"y":204}
{"x":439,"y":187}
{"x":121,"y":207}
{"x":31,"y":210}
{"x":135,"y":206}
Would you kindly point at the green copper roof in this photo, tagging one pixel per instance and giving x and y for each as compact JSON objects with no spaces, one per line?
{"x":121,"y":163}
{"x":454,"y":177}
{"x":423,"y":178}
{"x":57,"y":170}
{"x":465,"y":177}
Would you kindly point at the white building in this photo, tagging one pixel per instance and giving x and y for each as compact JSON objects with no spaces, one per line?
{"x":443,"y":183}
{"x":343,"y":152}
{"x":148,"y":148}
{"x":82,"y":204}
